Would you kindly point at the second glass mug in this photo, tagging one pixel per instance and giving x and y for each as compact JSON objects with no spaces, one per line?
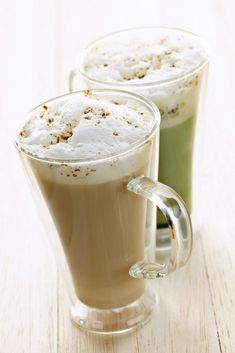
{"x":105,"y":235}
{"x":178,"y":99}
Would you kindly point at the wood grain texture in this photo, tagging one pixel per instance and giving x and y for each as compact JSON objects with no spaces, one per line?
{"x":28,"y":276}
{"x":196,"y":311}
{"x":183,"y":322}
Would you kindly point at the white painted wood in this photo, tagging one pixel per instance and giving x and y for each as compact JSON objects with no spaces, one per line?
{"x":183,"y":322}
{"x":196,"y":312}
{"x":28,"y":276}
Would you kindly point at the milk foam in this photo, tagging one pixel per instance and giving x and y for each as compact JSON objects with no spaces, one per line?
{"x":143,"y":57}
{"x":136,"y":58}
{"x":86,"y":128}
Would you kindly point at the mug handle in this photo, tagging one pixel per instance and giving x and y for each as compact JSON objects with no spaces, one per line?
{"x":72,"y":75}
{"x":178,"y":219}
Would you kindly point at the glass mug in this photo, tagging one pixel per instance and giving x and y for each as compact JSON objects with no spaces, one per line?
{"x":103,"y":232}
{"x":178,"y":99}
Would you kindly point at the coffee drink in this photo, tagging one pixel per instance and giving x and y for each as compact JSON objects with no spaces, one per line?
{"x":68,"y":145}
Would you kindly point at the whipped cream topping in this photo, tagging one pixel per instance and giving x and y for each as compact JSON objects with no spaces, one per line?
{"x":143,"y":56}
{"x":84,"y":127}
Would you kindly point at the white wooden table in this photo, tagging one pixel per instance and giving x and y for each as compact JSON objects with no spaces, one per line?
{"x":196,"y":314}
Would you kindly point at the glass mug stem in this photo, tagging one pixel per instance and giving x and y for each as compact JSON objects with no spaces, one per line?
{"x":178,"y":220}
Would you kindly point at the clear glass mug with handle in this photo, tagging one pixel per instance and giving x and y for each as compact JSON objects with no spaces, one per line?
{"x":102,"y":228}
{"x":109,"y":63}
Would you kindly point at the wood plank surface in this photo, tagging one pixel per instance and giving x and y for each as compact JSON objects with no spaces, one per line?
{"x":196,"y":309}
{"x":28,"y":276}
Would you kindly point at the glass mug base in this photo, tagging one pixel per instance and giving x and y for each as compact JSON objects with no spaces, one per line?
{"x":118,"y":320}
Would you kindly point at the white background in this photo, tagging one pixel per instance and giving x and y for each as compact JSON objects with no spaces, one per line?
{"x":39,"y":41}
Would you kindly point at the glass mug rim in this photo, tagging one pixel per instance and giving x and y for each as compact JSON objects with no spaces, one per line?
{"x":79,"y":68}
{"x":115,"y":92}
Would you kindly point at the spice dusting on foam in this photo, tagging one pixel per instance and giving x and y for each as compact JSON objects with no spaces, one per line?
{"x":85,"y":127}
{"x":141,"y":60}
{"x":143,"y":57}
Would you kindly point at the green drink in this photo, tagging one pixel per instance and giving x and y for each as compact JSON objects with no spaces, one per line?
{"x":175,"y":164}
{"x":168,"y":66}
{"x":177,"y":139}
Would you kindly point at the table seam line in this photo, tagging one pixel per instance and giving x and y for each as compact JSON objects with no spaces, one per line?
{"x":211,"y":297}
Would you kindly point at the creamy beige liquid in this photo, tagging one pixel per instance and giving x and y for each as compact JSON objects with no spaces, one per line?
{"x":100,"y":224}
{"x":101,"y":227}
